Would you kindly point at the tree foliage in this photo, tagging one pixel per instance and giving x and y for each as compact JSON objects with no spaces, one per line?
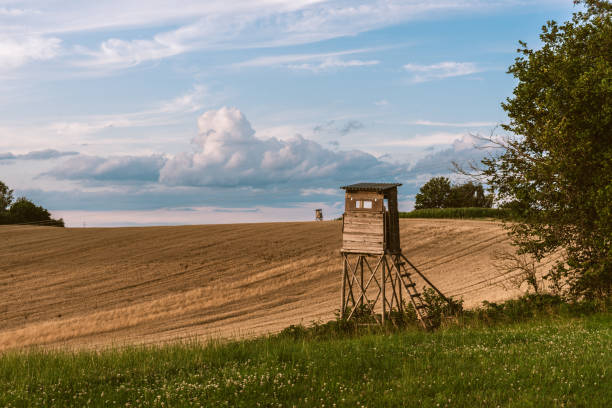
{"x":22,"y":210}
{"x":433,"y":194}
{"x":468,"y":195}
{"x":6,"y":197}
{"x":555,"y":172}
{"x":440,"y":193}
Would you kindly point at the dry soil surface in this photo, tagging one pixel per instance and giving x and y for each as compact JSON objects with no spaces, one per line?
{"x":95,"y":287}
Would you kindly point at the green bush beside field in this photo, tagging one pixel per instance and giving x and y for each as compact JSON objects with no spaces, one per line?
{"x":467,"y":212}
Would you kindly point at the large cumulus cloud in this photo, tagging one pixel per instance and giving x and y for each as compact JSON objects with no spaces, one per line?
{"x":227,"y":153}
{"x":116,"y":168}
{"x":467,"y":150}
{"x":36,"y":155}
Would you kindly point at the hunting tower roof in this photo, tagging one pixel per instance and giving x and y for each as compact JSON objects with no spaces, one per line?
{"x":379,"y":187}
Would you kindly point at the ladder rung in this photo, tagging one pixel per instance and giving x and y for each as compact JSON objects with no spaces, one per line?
{"x":421,"y":306}
{"x":411,"y":285}
{"x":416,"y":295}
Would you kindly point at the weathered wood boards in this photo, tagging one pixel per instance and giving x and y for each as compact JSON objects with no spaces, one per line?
{"x":363,"y":232}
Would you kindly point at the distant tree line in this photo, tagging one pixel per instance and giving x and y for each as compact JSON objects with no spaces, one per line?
{"x":23,"y":211}
{"x":440,"y":193}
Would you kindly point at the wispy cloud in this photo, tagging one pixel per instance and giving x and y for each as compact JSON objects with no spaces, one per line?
{"x":312,"y":62}
{"x":115,"y":169}
{"x":163,"y":114}
{"x":331,"y":63}
{"x":448,"y":69}
{"x":451,"y":124}
{"x":13,"y":12}
{"x":216,"y":24}
{"x":191,"y":101}
{"x":433,"y":139}
{"x":320,"y":191}
{"x":332,"y":126}
{"x":463,"y":150}
{"x":37,"y":155}
{"x":16,"y":51}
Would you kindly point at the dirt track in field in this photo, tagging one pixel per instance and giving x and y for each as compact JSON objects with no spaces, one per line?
{"x":90,"y":287}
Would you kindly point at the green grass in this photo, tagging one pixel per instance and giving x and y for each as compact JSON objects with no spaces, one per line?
{"x":554,"y":361}
{"x":468,"y":212}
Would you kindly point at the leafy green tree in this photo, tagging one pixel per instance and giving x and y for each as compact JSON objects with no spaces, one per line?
{"x":439,"y":193}
{"x":468,"y":195}
{"x":555,"y":171}
{"x":23,"y":210}
{"x":6,"y":197}
{"x":433,"y":194}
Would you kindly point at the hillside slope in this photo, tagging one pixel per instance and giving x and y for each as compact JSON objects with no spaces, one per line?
{"x":94,"y":287}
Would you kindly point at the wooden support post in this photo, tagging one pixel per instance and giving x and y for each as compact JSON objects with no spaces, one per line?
{"x":361,"y":279}
{"x":395,"y":288}
{"x":344,"y":278}
{"x":383,"y":284}
{"x":399,"y":285}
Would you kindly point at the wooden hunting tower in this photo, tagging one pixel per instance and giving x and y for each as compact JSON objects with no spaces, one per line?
{"x":319,"y":214}
{"x":371,"y":245}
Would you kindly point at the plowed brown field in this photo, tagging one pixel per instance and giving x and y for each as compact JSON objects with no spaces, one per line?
{"x":96,"y":287}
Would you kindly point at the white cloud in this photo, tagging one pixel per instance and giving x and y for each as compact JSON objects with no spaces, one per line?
{"x":191,"y":101}
{"x":382,"y":102}
{"x":163,"y":114}
{"x":229,"y":154}
{"x":452,"y":124}
{"x":312,"y":62}
{"x":119,"y":53}
{"x":66,"y":16}
{"x":432,"y":139}
{"x":217,"y":24}
{"x":16,"y":51}
{"x":332,"y":126}
{"x":116,"y":169}
{"x":320,"y":191}
{"x":423,"y":73}
{"x":45,"y":154}
{"x":13,"y":12}
{"x":330,"y":63}
{"x":464,"y":150}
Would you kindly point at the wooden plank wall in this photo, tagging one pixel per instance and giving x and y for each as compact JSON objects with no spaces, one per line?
{"x":363,"y":231}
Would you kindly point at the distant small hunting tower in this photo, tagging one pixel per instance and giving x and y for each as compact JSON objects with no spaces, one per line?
{"x":375,"y":276}
{"x":319,"y":214}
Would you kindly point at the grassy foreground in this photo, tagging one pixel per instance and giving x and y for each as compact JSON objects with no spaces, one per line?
{"x":551,"y":362}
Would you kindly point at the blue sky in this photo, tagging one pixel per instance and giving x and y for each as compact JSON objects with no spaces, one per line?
{"x":142,"y":113}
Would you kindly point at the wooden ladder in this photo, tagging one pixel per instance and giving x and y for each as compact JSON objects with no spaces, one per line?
{"x":415,"y":298}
